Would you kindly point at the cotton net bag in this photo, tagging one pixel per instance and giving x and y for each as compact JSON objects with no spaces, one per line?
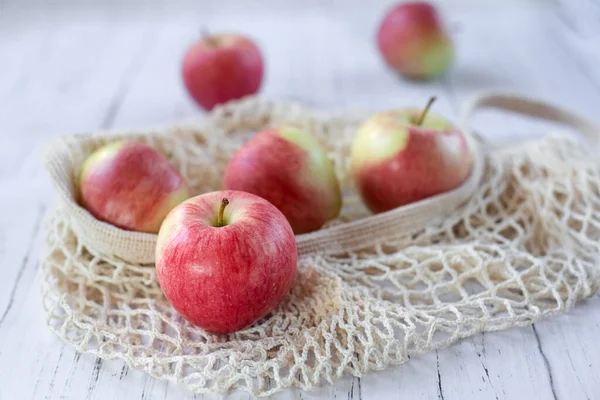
{"x":516,"y":242}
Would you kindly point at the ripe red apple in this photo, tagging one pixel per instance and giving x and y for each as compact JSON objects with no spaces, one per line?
{"x":225,"y":259}
{"x":220,"y":68}
{"x":289,"y":168}
{"x":130,"y":185}
{"x":402,"y":156}
{"x":413,"y":40}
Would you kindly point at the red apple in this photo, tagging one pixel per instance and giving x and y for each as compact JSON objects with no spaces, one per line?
{"x":225,"y":259}
{"x":220,"y":68}
{"x":413,"y":40}
{"x":130,"y":185}
{"x":289,"y":168}
{"x":402,"y":156}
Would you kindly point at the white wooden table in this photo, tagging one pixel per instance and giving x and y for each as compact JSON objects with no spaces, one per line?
{"x":67,"y":68}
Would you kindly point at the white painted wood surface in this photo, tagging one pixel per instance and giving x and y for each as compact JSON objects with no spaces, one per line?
{"x":73,"y":67}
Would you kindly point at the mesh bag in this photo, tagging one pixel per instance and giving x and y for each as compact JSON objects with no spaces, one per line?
{"x":516,"y":242}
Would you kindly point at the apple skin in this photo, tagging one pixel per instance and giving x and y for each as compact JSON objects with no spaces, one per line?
{"x":288,"y":167}
{"x":130,"y":185}
{"x":224,"y":278}
{"x":396,"y":162}
{"x":413,"y":40}
{"x":220,"y":68}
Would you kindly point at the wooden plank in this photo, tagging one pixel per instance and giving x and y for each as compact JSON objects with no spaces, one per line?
{"x":571,"y":352}
{"x":80,"y":95}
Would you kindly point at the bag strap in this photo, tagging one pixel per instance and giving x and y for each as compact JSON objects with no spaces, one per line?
{"x":529,"y":107}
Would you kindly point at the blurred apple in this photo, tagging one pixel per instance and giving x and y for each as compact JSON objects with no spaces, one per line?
{"x":220,"y":68}
{"x":413,"y":40}
{"x":289,"y":168}
{"x":130,"y":185}
{"x":225,"y":259}
{"x":402,"y":156}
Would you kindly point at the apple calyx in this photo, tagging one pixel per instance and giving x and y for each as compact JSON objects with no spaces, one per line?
{"x":220,"y":221}
{"x":425,"y":110}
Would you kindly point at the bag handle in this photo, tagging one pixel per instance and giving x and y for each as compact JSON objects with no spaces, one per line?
{"x":529,"y":107}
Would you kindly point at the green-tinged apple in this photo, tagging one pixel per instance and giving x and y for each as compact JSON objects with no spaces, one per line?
{"x":222,"y":67}
{"x":288,"y":167}
{"x":130,"y":185}
{"x":225,"y":259}
{"x":406,"y":155}
{"x":414,"y":41}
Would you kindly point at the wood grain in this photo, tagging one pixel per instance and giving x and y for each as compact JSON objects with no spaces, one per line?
{"x":88,"y":67}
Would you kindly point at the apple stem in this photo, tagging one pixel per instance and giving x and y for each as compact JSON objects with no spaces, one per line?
{"x":206,"y":36}
{"x":424,"y":113}
{"x":224,"y":203}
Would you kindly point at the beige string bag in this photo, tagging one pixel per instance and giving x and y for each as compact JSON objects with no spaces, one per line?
{"x":516,"y":242}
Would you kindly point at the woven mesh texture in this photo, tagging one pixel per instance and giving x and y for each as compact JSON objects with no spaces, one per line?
{"x":524,"y":245}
